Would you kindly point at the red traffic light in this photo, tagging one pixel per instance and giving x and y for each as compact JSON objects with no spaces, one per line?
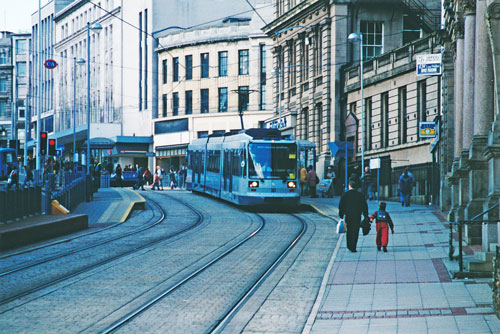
{"x":43,"y":135}
{"x":52,"y":142}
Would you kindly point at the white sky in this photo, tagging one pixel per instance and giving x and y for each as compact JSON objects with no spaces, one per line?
{"x":15,"y":15}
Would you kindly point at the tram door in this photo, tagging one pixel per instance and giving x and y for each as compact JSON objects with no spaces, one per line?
{"x":227,"y":171}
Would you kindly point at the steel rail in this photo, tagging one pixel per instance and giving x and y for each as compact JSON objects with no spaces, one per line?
{"x":106,"y":261}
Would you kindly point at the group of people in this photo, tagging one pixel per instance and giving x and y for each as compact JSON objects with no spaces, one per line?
{"x":157,"y":179}
{"x":353,"y":205}
{"x":308,"y":181}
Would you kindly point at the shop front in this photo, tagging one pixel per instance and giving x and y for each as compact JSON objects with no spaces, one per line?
{"x":171,"y":157}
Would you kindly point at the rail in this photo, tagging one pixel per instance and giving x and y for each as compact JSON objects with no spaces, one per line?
{"x":473,"y":221}
{"x":75,"y":192}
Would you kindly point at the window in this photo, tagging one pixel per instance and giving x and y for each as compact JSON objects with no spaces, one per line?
{"x":263,"y":78}
{"x":175,"y":104}
{"x":204,"y":101}
{"x":164,"y":105}
{"x":21,"y":69}
{"x":175,"y":74}
{"x":223,"y":99}
{"x":22,"y":46}
{"x":189,"y":67}
{"x":165,"y":72}
{"x":403,"y":120}
{"x":368,"y":124}
{"x":319,"y":110}
{"x":204,"y":60}
{"x":292,"y":70}
{"x":372,"y":38}
{"x":189,"y":102}
{"x":3,"y":58}
{"x":3,"y":109}
{"x":3,"y":85}
{"x":202,"y":134}
{"x":223,"y":63}
{"x":411,"y":28}
{"x":421,"y":101}
{"x":243,"y":93}
{"x":384,"y":111}
{"x":243,"y":62}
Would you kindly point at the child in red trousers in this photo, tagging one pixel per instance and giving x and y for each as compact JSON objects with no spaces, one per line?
{"x":384,"y":221}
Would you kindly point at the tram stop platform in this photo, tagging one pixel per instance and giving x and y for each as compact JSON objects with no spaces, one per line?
{"x":110,"y":205}
{"x":409,"y":289}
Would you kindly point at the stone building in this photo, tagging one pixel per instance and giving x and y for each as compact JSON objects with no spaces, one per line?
{"x":472,"y":44}
{"x":213,"y":79}
{"x":396,"y":100}
{"x":312,"y":47}
{"x":14,"y":58}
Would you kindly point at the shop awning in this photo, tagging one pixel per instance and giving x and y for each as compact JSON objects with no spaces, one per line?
{"x":171,"y":151}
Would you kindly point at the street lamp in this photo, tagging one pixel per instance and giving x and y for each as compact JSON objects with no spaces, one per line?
{"x":96,"y":27}
{"x":353,"y":38}
{"x":79,"y":61}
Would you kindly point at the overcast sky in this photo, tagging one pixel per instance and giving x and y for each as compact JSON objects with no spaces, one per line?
{"x":15,"y":15}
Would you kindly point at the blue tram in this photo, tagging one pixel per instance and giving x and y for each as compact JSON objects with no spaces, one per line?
{"x":7,"y":162}
{"x":253,"y":167}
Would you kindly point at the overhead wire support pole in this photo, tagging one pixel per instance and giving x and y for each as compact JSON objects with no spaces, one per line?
{"x":39,"y":90}
{"x":88,"y":99}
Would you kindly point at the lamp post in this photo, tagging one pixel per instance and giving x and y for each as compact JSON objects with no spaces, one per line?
{"x":79,"y":61}
{"x":353,"y":38}
{"x":96,"y":27}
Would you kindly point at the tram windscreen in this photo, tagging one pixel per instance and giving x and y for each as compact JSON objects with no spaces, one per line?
{"x":270,"y":160}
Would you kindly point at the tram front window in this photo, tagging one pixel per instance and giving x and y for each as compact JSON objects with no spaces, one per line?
{"x":272,"y":160}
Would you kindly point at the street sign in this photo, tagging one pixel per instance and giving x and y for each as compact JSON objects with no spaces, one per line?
{"x":375,"y":163}
{"x":429,"y":64}
{"x":60,"y":147}
{"x":427,"y":129}
{"x":150,"y":154}
{"x":50,"y":64}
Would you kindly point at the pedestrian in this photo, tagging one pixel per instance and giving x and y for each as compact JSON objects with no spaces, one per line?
{"x":352,"y":205}
{"x":118,"y":172}
{"x":406,"y":182}
{"x":368,"y":184}
{"x":13,"y":180}
{"x":312,"y":181}
{"x":162,"y":175}
{"x":147,"y":176}
{"x":356,"y":177}
{"x":28,"y":179}
{"x":303,"y":180}
{"x":383,"y":222}
{"x":140,"y":178}
{"x":172,"y":179}
{"x":182,"y":177}
{"x":156,"y":179}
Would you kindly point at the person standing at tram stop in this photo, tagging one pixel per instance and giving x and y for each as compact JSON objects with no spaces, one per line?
{"x":312,"y":181}
{"x":352,"y":205}
{"x":303,"y":181}
{"x":368,"y":184}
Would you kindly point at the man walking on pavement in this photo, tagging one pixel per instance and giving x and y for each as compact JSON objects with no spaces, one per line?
{"x":352,"y":205}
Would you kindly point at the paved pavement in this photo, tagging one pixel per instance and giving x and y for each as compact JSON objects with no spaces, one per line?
{"x":109,"y":205}
{"x":407,"y":290}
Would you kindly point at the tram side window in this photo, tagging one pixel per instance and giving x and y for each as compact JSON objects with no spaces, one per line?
{"x":236,"y":169}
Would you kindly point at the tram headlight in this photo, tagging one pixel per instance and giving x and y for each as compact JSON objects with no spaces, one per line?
{"x":292,"y":184}
{"x":253,"y":184}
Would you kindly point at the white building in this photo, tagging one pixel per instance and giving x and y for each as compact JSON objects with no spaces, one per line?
{"x":209,"y":76}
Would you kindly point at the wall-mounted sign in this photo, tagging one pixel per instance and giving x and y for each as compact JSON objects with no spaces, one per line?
{"x":50,"y":64}
{"x":427,"y":129}
{"x":277,"y":124}
{"x":429,"y":64}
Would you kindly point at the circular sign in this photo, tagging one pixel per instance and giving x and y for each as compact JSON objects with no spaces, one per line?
{"x":242,"y":164}
{"x":50,"y":64}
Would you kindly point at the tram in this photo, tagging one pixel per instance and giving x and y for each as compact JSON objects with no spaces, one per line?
{"x":253,"y":167}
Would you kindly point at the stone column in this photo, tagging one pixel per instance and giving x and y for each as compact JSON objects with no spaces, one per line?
{"x":492,"y":151}
{"x":483,"y":116}
{"x":455,"y":214}
{"x":472,"y":233}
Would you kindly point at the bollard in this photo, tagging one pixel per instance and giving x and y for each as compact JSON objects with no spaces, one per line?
{"x":3,"y":205}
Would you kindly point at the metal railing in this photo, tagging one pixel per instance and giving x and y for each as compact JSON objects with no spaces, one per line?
{"x":496,"y":282}
{"x":79,"y":190}
{"x":460,"y":224}
{"x":19,"y":203}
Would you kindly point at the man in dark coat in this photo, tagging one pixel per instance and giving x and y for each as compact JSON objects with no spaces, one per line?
{"x":352,"y":205}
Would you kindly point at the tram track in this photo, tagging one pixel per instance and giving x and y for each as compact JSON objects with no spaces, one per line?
{"x":217,"y":326}
{"x":163,"y":214}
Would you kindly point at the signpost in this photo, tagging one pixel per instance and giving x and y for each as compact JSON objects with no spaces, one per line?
{"x":427,"y":129}
{"x":50,"y":64}
{"x":429,"y":64}
{"x":375,"y":164}
{"x":341,"y":149}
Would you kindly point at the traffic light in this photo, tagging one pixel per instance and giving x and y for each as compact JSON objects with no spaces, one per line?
{"x":52,"y":147}
{"x":43,"y":143}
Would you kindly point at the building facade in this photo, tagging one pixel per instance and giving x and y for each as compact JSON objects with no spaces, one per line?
{"x":14,"y":62}
{"x":396,"y":101}
{"x":312,"y":47}
{"x":472,"y":43}
{"x":213,"y":80}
